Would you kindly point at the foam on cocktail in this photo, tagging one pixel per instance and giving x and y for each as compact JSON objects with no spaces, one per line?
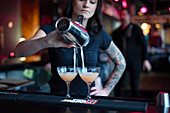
{"x":89,"y":77}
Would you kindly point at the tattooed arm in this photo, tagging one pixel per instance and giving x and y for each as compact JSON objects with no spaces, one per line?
{"x":120,"y":64}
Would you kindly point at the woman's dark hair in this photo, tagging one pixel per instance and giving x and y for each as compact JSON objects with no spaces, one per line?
{"x":95,"y":19}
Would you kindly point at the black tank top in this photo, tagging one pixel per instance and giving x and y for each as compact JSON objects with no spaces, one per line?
{"x":64,"y":57}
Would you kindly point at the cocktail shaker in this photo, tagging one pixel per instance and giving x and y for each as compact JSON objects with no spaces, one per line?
{"x":162,"y":102}
{"x":72,"y":32}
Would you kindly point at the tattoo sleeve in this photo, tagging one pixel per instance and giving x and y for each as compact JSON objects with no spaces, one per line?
{"x":120,"y":65}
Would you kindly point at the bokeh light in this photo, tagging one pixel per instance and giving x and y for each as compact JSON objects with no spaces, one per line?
{"x":146,"y":28}
{"x":143,"y":9}
{"x":124,"y":3}
{"x":157,"y":26}
{"x":12,"y":54}
{"x":10,"y":24}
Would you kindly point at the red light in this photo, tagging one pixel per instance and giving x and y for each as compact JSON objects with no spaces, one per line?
{"x":12,"y":54}
{"x":116,"y":0}
{"x":143,"y":9}
{"x":169,"y":8}
{"x":124,"y":3}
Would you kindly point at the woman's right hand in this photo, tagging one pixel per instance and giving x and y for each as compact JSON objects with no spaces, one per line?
{"x":55,"y":39}
{"x":41,"y":41}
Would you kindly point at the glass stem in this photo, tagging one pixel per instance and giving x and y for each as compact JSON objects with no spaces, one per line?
{"x":88,"y":95}
{"x":68,"y":90}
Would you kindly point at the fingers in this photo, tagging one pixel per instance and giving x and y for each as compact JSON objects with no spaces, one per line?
{"x":70,"y":45}
{"x":93,"y":88}
{"x":59,"y":41}
{"x":149,"y":68}
{"x":96,"y":92}
{"x":65,"y":43}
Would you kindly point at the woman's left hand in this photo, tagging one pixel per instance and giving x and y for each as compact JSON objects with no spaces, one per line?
{"x":98,"y":92}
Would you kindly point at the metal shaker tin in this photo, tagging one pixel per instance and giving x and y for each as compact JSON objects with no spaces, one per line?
{"x":72,"y":32}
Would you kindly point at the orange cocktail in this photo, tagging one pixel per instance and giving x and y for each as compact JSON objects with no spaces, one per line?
{"x":89,"y":74}
{"x":67,"y":74}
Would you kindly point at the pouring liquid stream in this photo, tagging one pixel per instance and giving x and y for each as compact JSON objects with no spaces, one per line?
{"x":80,"y":21}
{"x":82,"y":56}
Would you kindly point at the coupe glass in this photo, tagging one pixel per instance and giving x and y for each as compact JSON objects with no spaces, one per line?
{"x":67,"y":74}
{"x":89,"y":74}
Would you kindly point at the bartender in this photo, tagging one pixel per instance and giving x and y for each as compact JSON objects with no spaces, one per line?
{"x":61,"y":53}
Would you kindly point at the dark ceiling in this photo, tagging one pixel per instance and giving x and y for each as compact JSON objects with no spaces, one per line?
{"x":154,"y":6}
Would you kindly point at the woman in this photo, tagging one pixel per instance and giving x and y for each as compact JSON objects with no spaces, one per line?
{"x":61,"y":53}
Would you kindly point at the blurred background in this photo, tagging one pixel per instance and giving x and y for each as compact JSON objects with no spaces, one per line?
{"x":19,"y":20}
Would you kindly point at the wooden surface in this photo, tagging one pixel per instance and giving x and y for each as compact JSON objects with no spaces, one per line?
{"x":12,"y":84}
{"x":12,"y":81}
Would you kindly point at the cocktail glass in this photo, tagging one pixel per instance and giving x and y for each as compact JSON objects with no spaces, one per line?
{"x":89,"y":74}
{"x":67,"y":74}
